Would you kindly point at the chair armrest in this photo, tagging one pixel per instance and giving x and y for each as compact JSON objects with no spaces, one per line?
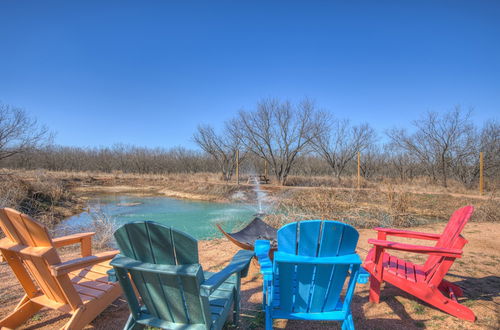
{"x":348,"y":259}
{"x":85,"y":239}
{"x":439,"y":251}
{"x":75,"y":264}
{"x":262,"y":248}
{"x":408,"y":233}
{"x":239,"y":264}
{"x":71,"y":239}
{"x":120,"y":261}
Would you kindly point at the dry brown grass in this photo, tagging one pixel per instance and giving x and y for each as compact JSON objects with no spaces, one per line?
{"x":40,"y":195}
{"x":393,"y":207}
{"x":387,"y":202}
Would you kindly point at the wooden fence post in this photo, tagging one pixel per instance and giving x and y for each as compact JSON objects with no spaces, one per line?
{"x":237,"y":166}
{"x":481,"y":173}
{"x":359,"y":170}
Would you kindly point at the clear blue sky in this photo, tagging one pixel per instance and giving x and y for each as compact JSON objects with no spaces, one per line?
{"x":147,"y":72}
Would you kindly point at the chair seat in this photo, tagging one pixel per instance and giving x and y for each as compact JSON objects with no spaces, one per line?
{"x":92,"y":282}
{"x":398,"y":267}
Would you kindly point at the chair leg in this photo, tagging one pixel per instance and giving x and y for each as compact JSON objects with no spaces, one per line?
{"x":24,"y":310}
{"x":374,"y":289}
{"x":450,"y":306}
{"x":236,"y":306}
{"x":348,"y":323}
{"x":269,"y":321}
{"x":132,"y":325}
{"x":446,"y":286}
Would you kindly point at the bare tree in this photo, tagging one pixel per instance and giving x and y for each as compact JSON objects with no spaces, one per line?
{"x":465,"y":166}
{"x":372,"y":161}
{"x":279,"y":131}
{"x":437,"y":141}
{"x":341,"y":143}
{"x":222,"y":147}
{"x":401,"y":162}
{"x":19,"y":132}
{"x":490,"y":145}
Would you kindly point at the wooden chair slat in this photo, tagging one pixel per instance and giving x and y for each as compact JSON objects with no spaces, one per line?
{"x":140,"y":282}
{"x":186,"y":248}
{"x":93,"y":292}
{"x":21,"y":273}
{"x":308,"y":243}
{"x":309,"y":235}
{"x":287,"y":236}
{"x":8,"y":227}
{"x":329,"y":246}
{"x":160,"y":239}
{"x":197,"y":311}
{"x":321,"y":284}
{"x":99,"y":285}
{"x":37,"y":232}
{"x":288,"y":288}
{"x":331,"y":237}
{"x":138,"y":234}
{"x":171,"y":288}
{"x":337,"y":283}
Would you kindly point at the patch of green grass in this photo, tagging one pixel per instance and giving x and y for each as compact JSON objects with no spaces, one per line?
{"x":36,"y":317}
{"x":420,"y":324}
{"x":418,"y":309}
{"x":258,"y":321}
{"x":439,"y":317}
{"x":473,"y":232}
{"x":469,"y":302}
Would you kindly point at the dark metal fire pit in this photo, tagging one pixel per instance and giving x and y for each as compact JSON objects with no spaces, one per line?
{"x":256,"y":229}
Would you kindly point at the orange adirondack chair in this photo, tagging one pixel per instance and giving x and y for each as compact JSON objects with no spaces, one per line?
{"x":79,"y":287}
{"x":426,"y":281}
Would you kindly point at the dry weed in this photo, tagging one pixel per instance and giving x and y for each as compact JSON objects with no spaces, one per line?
{"x":104,"y":226}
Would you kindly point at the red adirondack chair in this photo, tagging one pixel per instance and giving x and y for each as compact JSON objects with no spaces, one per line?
{"x":425,"y":281}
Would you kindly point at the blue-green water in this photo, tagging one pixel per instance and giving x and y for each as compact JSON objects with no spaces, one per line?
{"x":195,"y":218}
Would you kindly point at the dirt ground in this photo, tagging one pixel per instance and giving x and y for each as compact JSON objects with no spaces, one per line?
{"x":478,"y":272}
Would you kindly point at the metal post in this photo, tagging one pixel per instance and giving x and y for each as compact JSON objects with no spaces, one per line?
{"x":481,"y":173}
{"x":359,"y":170}
{"x":237,"y":166}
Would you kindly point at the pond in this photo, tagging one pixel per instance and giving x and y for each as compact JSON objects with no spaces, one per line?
{"x":193,"y":217}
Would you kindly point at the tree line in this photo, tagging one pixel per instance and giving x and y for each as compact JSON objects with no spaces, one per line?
{"x":293,"y":139}
{"x":439,"y":146}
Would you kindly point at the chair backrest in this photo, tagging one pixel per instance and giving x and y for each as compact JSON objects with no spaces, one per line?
{"x":313,"y":287}
{"x":450,"y":236}
{"x":173,"y":297}
{"x":29,"y":250}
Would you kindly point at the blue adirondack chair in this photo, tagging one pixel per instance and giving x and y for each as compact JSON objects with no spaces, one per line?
{"x":305,"y":279}
{"x":175,"y":292}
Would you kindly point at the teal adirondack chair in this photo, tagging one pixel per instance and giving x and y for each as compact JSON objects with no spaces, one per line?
{"x":306,"y":277}
{"x":162,"y":263}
